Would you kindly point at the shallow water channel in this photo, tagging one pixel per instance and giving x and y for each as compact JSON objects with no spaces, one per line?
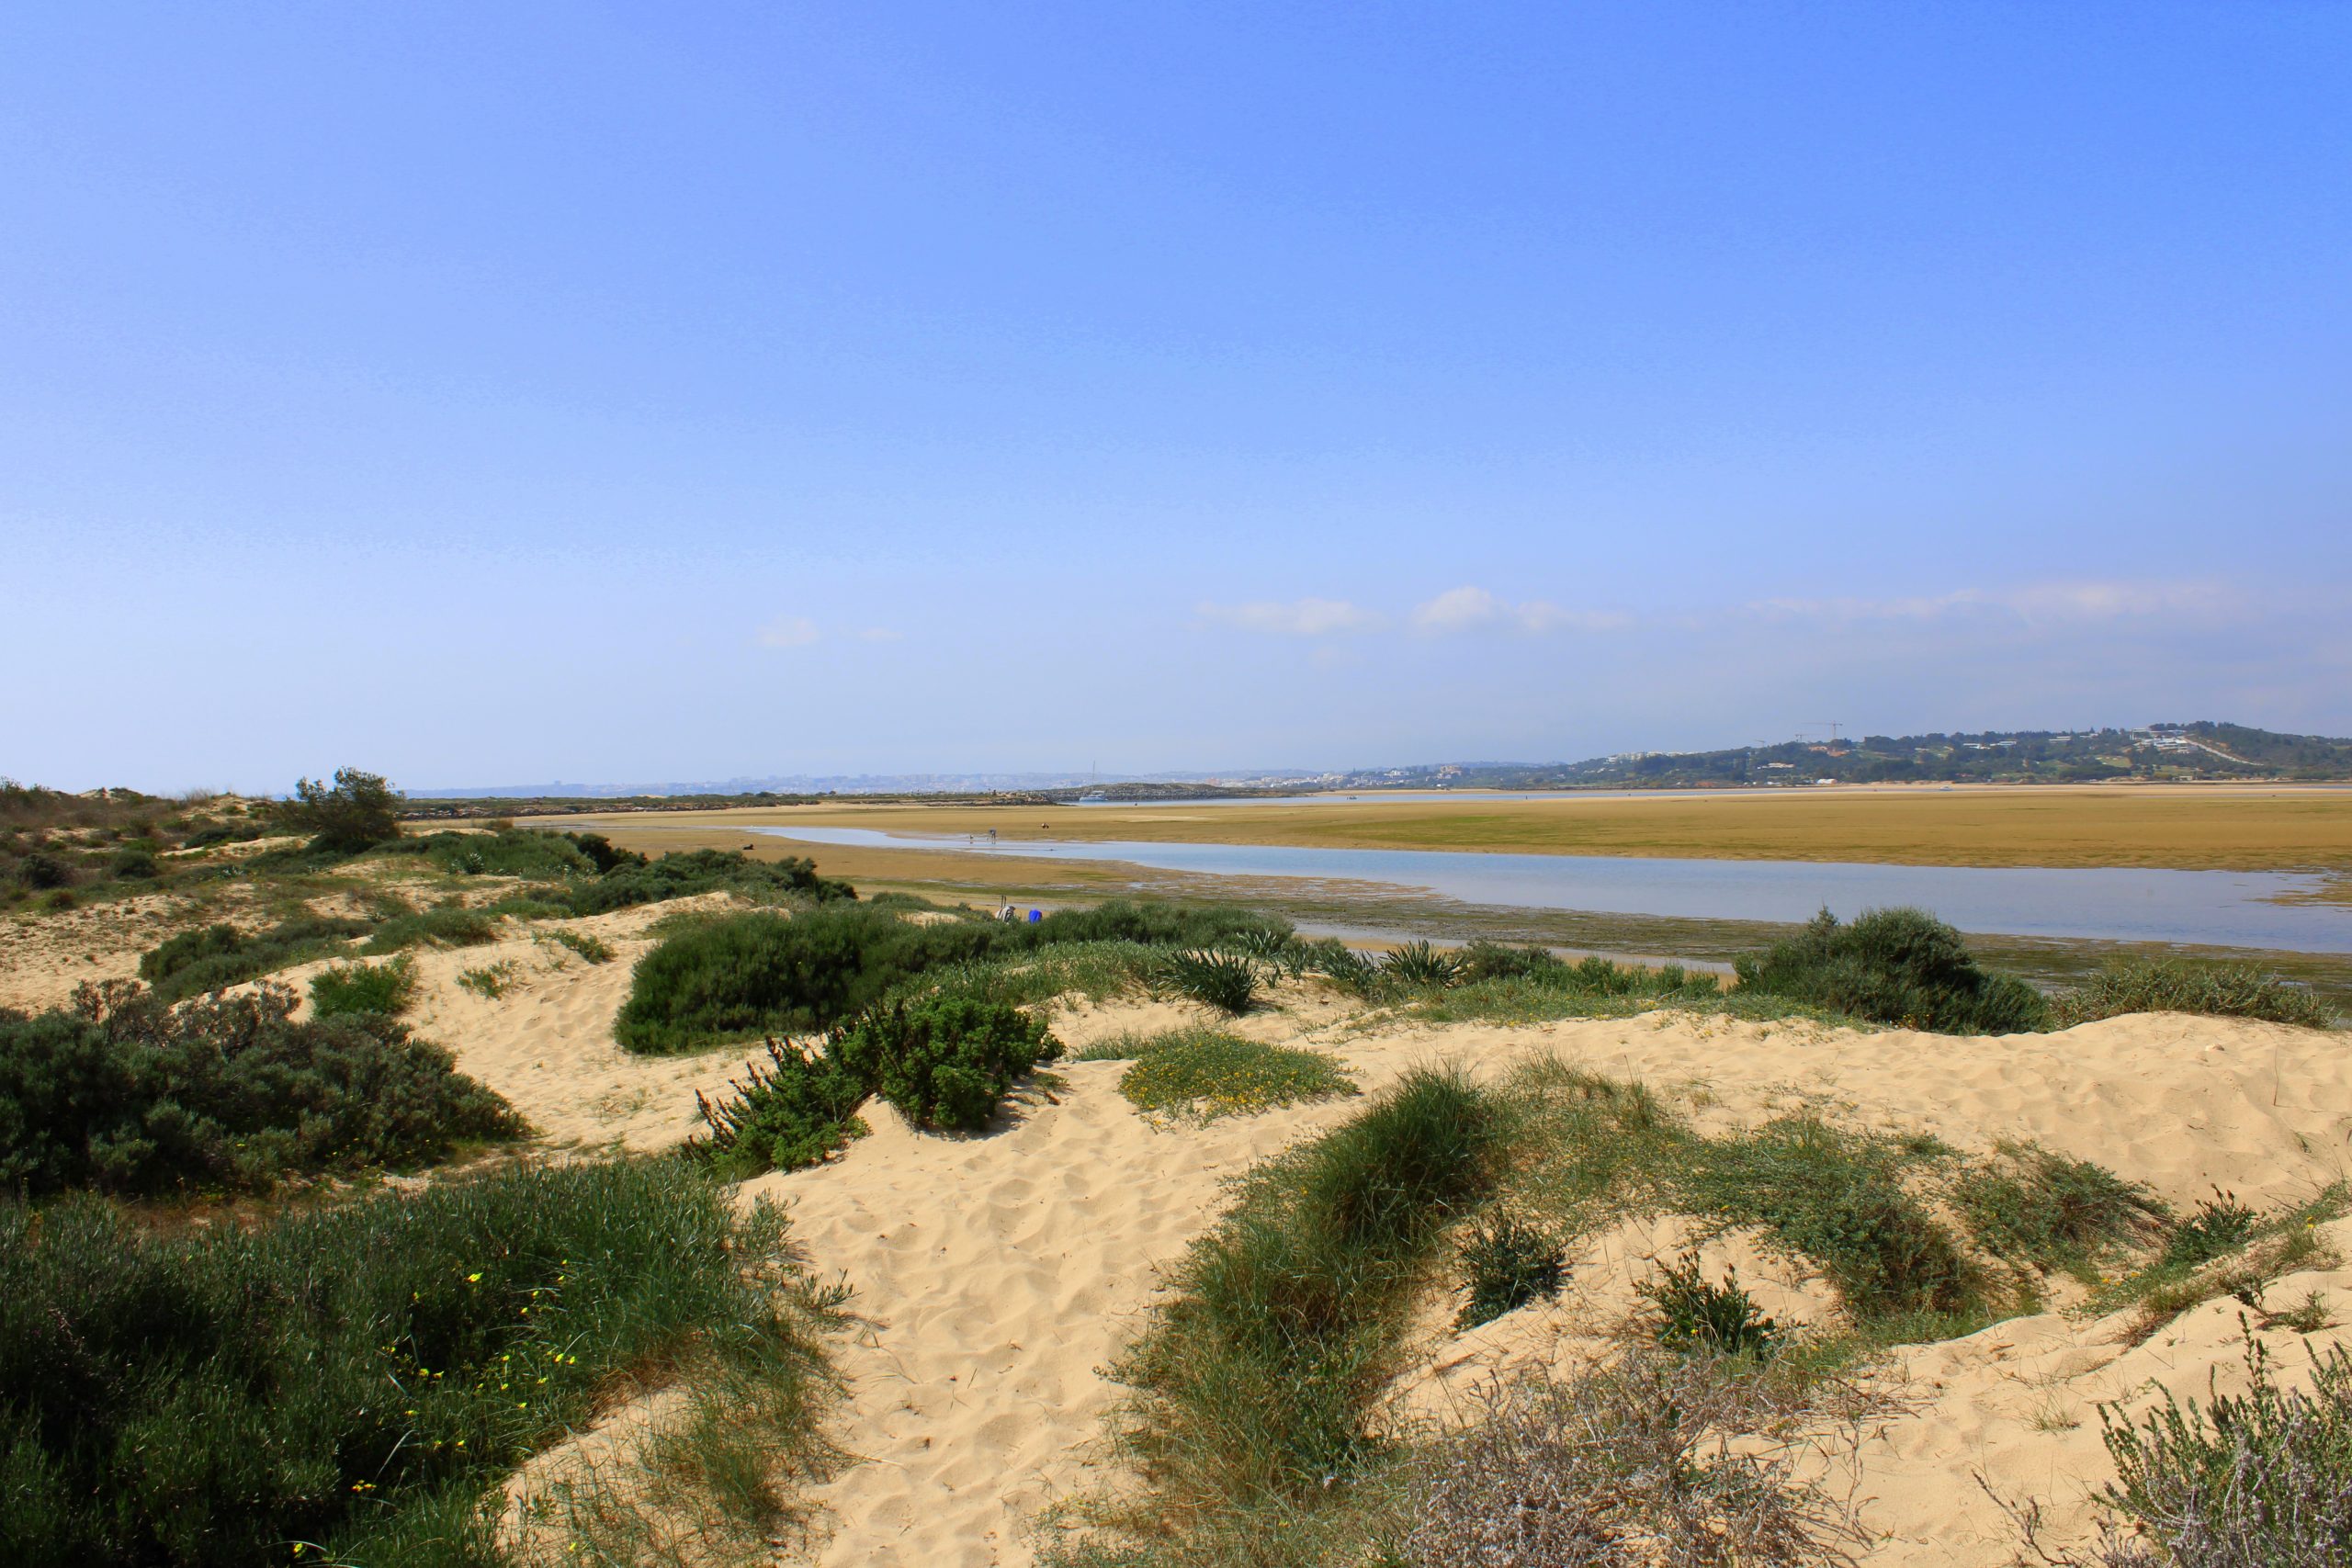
{"x":2216,"y":908}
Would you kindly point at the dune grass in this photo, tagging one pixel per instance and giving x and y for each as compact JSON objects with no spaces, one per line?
{"x":2179,"y":985}
{"x":343,"y":989}
{"x":353,"y":1385}
{"x":1199,"y":1075}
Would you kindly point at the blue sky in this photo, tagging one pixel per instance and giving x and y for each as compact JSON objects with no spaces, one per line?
{"x":488,"y":393}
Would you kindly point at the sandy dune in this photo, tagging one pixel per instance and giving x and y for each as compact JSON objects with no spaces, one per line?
{"x":999,"y":1274}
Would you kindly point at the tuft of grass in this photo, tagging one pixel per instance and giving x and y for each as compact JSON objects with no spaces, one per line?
{"x":348,"y":989}
{"x":1900,"y":966}
{"x":362,"y":1378}
{"x":491,"y":981}
{"x":2223,"y":1249}
{"x":1506,"y":1262}
{"x":1202,"y":1074}
{"x":2180,"y":985}
{"x":2219,"y":1225}
{"x":594,"y":949}
{"x":1255,"y":1381}
{"x":2054,"y":1213}
{"x":1224,"y":981}
{"x":1701,"y":1318}
{"x":452,"y":925}
{"x":1420,"y":965}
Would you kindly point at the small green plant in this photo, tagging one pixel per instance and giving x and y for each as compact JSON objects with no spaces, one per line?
{"x":1506,"y":1263}
{"x":347,"y":988}
{"x":1202,"y":1074}
{"x":1226,"y":981}
{"x":594,"y":949}
{"x":944,"y":1062}
{"x":2219,"y":1225}
{"x":1697,"y":1318}
{"x":491,"y":981}
{"x":452,"y":925}
{"x":1422,"y":966}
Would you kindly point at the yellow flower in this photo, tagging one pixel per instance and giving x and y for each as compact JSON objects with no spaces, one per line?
{"x":474,"y":1278}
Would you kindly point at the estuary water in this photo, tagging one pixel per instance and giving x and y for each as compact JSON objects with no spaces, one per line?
{"x":2218,"y":908}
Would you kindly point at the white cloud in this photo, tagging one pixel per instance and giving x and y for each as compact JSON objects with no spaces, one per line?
{"x":1475,"y":609}
{"x":1297,"y":617}
{"x":2055,"y":602}
{"x":788,"y":631}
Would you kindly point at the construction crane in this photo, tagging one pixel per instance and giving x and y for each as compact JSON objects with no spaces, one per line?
{"x":1832,"y":723}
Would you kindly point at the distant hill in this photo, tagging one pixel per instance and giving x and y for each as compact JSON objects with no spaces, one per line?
{"x":2172,"y":751}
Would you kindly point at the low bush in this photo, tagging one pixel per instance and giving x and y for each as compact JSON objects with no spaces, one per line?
{"x":1508,"y":1262}
{"x":794,"y":1112}
{"x":1899,"y":966}
{"x":359,"y":1383}
{"x":635,"y":880}
{"x":1628,"y":1462}
{"x":2218,"y":1224}
{"x":2259,"y":1477}
{"x":943,"y":1061}
{"x":213,"y":957}
{"x":452,"y":925}
{"x":1155,"y":924}
{"x":1696,"y":1317}
{"x":43,"y":870}
{"x":1202,"y":1074}
{"x":356,"y":812}
{"x":1485,"y":960}
{"x":125,"y":1094}
{"x":347,"y":990}
{"x":511,"y":851}
{"x":491,"y":981}
{"x":1224,"y":981}
{"x":2179,"y":985}
{"x":758,"y":972}
{"x":2052,"y":1212}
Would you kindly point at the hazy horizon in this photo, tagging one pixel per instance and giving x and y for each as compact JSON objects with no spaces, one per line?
{"x":619,"y":393}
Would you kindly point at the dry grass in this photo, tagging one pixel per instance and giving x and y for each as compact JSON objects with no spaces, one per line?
{"x":2220,"y":827}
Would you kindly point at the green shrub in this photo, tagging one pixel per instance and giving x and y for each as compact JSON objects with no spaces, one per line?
{"x":793,"y":1112}
{"x":635,"y":880}
{"x":1508,"y":1262}
{"x":348,"y":989}
{"x":943,"y":1061}
{"x":134,"y":862}
{"x":357,"y":812}
{"x":490,"y":981}
{"x":2053,"y":1211}
{"x":1203,"y":1074}
{"x":2177,"y":985}
{"x":1226,"y":981}
{"x":509,"y":852}
{"x":1696,"y":1317}
{"x":1342,"y":966}
{"x":42,"y":870}
{"x":1485,"y":960}
{"x":758,"y":972}
{"x":125,"y":1094}
{"x":1900,"y":966}
{"x":1153,"y":924}
{"x":213,"y":957}
{"x":364,"y":1378}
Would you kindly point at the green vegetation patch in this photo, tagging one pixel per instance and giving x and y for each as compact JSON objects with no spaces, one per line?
{"x":124,"y":1094}
{"x":2052,"y":1211}
{"x":1899,"y":966}
{"x":213,"y":957}
{"x":359,"y":1383}
{"x":1202,"y":1074}
{"x":2179,"y":985}
{"x":452,"y":925}
{"x":347,"y":990}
